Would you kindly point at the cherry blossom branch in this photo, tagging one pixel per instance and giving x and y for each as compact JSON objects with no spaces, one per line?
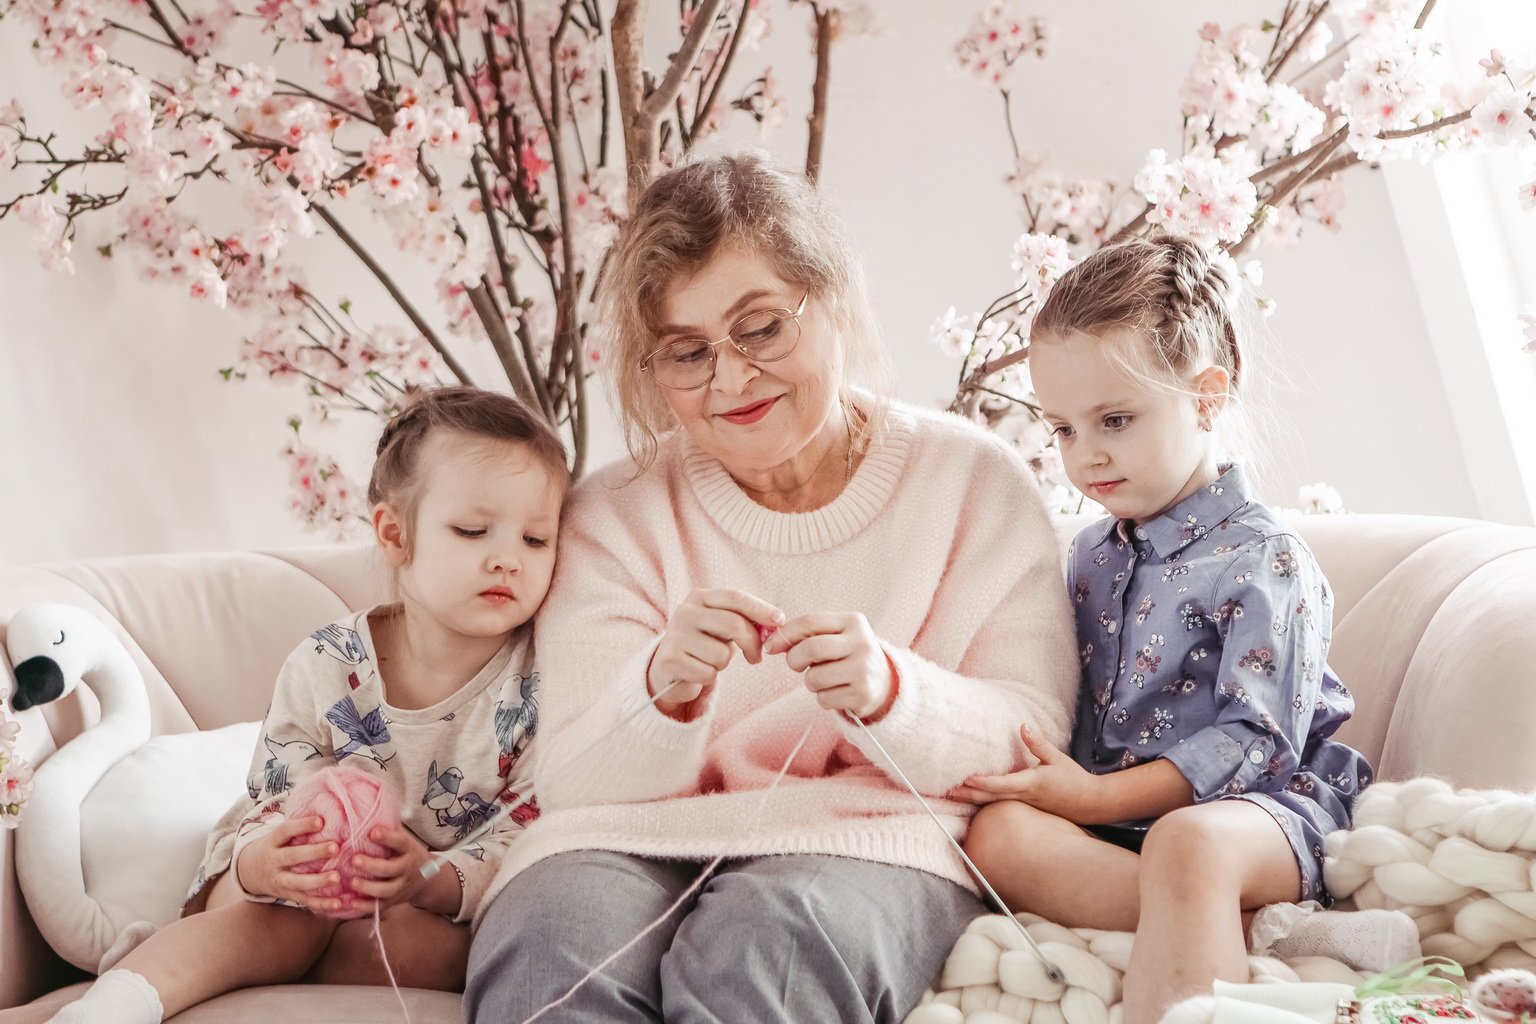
{"x":701,"y":114}
{"x":627,"y":33}
{"x":405,"y":304}
{"x":826,"y":31}
{"x":1313,"y":16}
{"x":683,"y":61}
{"x":1283,"y":190}
{"x":1424,"y":14}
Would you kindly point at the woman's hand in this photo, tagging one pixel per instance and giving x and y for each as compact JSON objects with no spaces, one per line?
{"x":265,"y":867}
{"x":844,"y":664}
{"x":397,"y":878}
{"x":704,"y":633}
{"x":1057,"y":785}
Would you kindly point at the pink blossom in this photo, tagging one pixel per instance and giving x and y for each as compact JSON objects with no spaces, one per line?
{"x":1528,"y":195}
{"x":1528,"y":325}
{"x":998,"y":38}
{"x":954,"y":334}
{"x":11,"y":113}
{"x":15,"y":788}
{"x":1493,"y":64}
{"x":1040,"y":261}
{"x":10,"y":729}
{"x":1198,"y":196}
{"x":1502,"y":117}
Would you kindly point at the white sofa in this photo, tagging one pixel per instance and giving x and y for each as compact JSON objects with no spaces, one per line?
{"x":1435,"y":632}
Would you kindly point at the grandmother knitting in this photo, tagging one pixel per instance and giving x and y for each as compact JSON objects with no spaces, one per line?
{"x":789,"y":553}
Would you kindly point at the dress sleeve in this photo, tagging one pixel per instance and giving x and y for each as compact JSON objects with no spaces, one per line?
{"x":1271,"y":611}
{"x":292,"y":744}
{"x":477,"y":863}
{"x":954,"y":717}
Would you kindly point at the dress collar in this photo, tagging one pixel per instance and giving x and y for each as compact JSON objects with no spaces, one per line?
{"x":1174,"y":529}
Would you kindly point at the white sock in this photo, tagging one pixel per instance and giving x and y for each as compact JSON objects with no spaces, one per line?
{"x":1367,"y":940}
{"x":117,"y":997}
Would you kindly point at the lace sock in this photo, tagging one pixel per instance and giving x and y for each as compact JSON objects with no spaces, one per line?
{"x":1367,"y":940}
{"x":117,"y":997}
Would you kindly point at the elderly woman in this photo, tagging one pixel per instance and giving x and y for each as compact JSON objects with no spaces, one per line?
{"x":788,"y":556}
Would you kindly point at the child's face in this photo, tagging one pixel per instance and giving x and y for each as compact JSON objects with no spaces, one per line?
{"x":1133,"y":447}
{"x":483,"y":548}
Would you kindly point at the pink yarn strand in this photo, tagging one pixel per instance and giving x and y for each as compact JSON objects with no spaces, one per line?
{"x":378,"y":937}
{"x":688,"y":893}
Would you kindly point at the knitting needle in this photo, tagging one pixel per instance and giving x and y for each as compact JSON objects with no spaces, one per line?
{"x":435,"y":865}
{"x":1051,"y":970}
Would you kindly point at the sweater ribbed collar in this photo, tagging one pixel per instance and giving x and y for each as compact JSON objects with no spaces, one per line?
{"x":801,"y":532}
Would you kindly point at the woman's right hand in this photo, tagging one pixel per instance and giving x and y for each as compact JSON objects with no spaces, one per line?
{"x":704,"y":633}
{"x":265,"y":867}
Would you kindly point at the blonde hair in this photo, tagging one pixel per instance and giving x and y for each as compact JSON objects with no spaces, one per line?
{"x":470,"y":411}
{"x":686,"y":217}
{"x":1170,"y":291}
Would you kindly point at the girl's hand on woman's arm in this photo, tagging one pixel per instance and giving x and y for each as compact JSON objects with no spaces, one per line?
{"x":842,"y":660}
{"x":265,"y":867}
{"x":1059,"y":785}
{"x":701,"y":638}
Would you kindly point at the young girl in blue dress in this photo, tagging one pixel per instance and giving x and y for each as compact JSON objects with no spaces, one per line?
{"x":1202,"y":777}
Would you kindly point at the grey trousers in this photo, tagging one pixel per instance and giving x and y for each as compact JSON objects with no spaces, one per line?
{"x":801,"y":939}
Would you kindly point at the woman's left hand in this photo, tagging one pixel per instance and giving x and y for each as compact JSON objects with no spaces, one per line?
{"x":1057,"y":785}
{"x":844,"y":664}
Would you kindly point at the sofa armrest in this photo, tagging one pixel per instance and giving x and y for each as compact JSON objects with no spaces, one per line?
{"x":31,"y":968}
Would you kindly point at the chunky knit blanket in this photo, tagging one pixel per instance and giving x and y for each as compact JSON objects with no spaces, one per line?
{"x":1461,"y":863}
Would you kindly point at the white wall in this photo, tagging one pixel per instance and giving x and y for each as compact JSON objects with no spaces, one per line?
{"x":106,"y":450}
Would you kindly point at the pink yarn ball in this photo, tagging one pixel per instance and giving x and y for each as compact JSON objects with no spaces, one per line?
{"x":351,"y":803}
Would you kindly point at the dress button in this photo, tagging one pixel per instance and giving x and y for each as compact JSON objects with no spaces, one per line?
{"x":1141,"y":533}
{"x":1257,"y":757}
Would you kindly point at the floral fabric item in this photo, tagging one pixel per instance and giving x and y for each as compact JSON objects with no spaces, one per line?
{"x":1203,"y":635}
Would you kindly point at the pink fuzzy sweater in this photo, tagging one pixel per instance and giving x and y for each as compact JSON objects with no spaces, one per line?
{"x":939,"y":539}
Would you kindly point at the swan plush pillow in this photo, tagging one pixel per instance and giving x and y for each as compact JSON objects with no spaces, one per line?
{"x":117,"y":821}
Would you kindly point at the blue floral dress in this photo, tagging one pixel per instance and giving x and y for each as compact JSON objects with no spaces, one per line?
{"x":1204,"y":635}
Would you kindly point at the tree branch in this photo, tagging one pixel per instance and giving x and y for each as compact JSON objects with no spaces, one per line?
{"x":826,"y":31}
{"x":405,"y":304}
{"x":628,"y":32}
{"x":661,"y":98}
{"x":1312,"y":19}
{"x":702,"y":114}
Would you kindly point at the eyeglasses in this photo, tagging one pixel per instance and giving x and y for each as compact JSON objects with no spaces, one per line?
{"x":763,"y":337}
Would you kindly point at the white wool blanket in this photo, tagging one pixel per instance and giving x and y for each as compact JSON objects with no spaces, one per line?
{"x":1460,"y":863}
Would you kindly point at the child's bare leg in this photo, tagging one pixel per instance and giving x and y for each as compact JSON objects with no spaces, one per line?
{"x":426,"y":950}
{"x":233,"y":944}
{"x":1051,"y":867}
{"x":1201,"y":867}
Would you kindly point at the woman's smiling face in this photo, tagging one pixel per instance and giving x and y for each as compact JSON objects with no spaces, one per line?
{"x":752,"y":417}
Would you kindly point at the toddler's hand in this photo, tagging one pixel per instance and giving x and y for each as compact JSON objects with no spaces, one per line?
{"x":395,"y":878}
{"x":1057,"y":785}
{"x":266,"y":867}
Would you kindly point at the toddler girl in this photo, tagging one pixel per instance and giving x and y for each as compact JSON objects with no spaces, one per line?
{"x":433,"y":695}
{"x":1201,"y":778}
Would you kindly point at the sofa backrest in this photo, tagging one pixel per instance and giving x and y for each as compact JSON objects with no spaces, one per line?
{"x":1434,"y":631}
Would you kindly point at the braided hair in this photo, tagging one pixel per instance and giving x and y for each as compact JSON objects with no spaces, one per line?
{"x":470,"y":411}
{"x":1168,"y":289}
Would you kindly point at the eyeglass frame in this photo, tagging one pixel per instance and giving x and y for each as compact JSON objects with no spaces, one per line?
{"x":714,"y":360}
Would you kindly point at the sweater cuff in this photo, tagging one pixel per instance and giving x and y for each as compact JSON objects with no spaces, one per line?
{"x":636,"y":707}
{"x":904,"y":722}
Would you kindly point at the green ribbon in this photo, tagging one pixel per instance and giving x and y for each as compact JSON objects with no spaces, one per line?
{"x":1412,"y":976}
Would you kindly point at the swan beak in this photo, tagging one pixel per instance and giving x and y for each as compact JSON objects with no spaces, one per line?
{"x":38,"y":681}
